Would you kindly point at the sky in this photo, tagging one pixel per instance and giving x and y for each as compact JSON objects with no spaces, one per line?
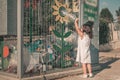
{"x":112,"y":5}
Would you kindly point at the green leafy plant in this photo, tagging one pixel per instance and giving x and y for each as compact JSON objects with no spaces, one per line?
{"x":63,"y":47}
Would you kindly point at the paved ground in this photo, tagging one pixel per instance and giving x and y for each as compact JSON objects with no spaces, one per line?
{"x":109,"y":62}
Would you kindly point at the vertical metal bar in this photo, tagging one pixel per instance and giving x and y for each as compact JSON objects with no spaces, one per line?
{"x":31,"y":22}
{"x":98,"y":21}
{"x":62,"y":39}
{"x":20,"y":10}
{"x":81,"y":12}
{"x":80,"y":15}
{"x":1,"y":51}
{"x":66,"y":1}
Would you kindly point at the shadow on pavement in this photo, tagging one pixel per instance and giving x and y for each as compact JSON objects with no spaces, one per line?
{"x":105,"y":63}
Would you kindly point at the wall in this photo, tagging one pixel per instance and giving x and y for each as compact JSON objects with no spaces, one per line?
{"x":8,"y":17}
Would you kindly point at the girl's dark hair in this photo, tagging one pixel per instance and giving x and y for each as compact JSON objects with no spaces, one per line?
{"x":89,"y":23}
{"x":87,"y":28}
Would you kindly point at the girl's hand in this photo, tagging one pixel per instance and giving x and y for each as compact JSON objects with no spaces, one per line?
{"x":76,"y":20}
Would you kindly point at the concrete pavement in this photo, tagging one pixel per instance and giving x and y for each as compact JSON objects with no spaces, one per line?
{"x":110,"y":67}
{"x":110,"y":72}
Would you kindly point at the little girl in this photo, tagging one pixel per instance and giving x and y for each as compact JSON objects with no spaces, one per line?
{"x":84,"y":42}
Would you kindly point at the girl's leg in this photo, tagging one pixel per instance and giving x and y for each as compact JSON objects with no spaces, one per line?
{"x":89,"y":68}
{"x":84,"y":67}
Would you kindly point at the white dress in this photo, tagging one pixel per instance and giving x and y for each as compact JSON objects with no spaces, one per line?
{"x":83,"y":50}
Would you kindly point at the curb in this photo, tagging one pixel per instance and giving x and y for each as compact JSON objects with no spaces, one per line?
{"x":53,"y":76}
{"x":109,"y":54}
{"x":57,"y":75}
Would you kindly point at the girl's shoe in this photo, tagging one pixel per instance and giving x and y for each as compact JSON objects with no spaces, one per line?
{"x":84,"y":76}
{"x":90,"y":75}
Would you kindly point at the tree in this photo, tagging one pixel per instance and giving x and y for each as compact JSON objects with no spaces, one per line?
{"x":118,"y":14}
{"x":104,"y":32}
{"x":106,"y":15}
{"x":105,"y":18}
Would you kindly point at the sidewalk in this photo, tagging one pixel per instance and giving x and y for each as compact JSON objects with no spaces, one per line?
{"x":110,"y":63}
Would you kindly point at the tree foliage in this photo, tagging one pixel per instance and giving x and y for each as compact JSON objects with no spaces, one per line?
{"x":118,"y":14}
{"x":106,"y":15}
{"x":104,"y":32}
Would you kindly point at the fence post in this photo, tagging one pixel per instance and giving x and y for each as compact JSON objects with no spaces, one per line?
{"x":20,"y":16}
